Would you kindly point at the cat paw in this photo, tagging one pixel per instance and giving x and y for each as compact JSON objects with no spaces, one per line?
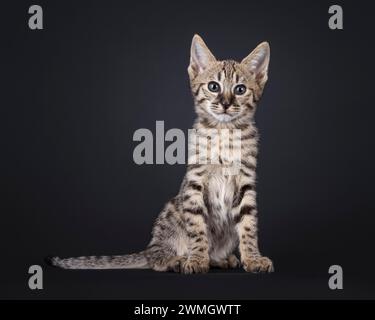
{"x":176,"y":263}
{"x":233,"y":262}
{"x":195,"y":265}
{"x":258,"y":264}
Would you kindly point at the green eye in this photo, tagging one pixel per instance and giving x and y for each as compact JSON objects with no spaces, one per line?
{"x":239,"y":89}
{"x":213,"y":86}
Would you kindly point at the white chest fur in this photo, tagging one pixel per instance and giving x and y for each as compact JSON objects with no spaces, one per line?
{"x":221,"y":189}
{"x":222,"y":235}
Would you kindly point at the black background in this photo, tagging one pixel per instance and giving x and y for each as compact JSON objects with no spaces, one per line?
{"x":74,"y":93}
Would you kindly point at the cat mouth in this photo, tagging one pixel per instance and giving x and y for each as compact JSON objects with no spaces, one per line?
{"x":222,"y":116}
{"x":225,"y":112}
{"x":229,"y":113}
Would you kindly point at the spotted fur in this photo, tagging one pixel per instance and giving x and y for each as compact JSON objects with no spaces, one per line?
{"x":214,"y":212}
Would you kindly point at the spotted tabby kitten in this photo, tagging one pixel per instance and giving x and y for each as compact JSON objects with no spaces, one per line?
{"x":214,"y":212}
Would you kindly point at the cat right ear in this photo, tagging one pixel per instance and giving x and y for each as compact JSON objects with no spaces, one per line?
{"x":200,"y":57}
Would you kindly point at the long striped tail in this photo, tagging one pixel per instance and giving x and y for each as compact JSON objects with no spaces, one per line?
{"x":128,"y":261}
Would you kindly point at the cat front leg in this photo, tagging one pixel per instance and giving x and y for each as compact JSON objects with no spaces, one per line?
{"x":245,"y":216}
{"x":194,"y":212}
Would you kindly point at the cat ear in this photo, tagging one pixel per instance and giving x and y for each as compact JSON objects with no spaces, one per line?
{"x":257,"y":62}
{"x":200,"y":57}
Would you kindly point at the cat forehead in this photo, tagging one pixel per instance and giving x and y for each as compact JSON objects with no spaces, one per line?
{"x":228,"y":69}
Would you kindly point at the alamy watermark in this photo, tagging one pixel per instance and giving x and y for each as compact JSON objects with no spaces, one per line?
{"x":36,"y":18}
{"x":336,"y":20}
{"x":336,"y":281}
{"x":36,"y":279}
{"x":209,"y":146}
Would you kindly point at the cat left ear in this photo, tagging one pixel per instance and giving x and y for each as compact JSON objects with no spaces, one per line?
{"x":257,"y":62}
{"x":200,"y":57}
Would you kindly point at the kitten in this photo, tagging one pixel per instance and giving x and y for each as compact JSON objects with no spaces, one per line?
{"x":214,"y":212}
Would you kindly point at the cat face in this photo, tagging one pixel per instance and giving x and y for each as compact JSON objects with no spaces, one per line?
{"x":227,"y":91}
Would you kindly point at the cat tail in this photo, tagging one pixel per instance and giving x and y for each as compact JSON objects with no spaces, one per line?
{"x":127,"y":261}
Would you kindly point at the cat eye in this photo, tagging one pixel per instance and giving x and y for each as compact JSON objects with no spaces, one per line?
{"x":213,"y":86}
{"x":239,"y":89}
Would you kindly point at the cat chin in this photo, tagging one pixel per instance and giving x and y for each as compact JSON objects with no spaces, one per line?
{"x":223,"y":117}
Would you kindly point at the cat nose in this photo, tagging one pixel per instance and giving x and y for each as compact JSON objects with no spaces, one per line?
{"x":225,"y":102}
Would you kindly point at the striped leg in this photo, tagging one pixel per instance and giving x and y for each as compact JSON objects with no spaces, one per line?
{"x":194,"y":211}
{"x":245,"y":216}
